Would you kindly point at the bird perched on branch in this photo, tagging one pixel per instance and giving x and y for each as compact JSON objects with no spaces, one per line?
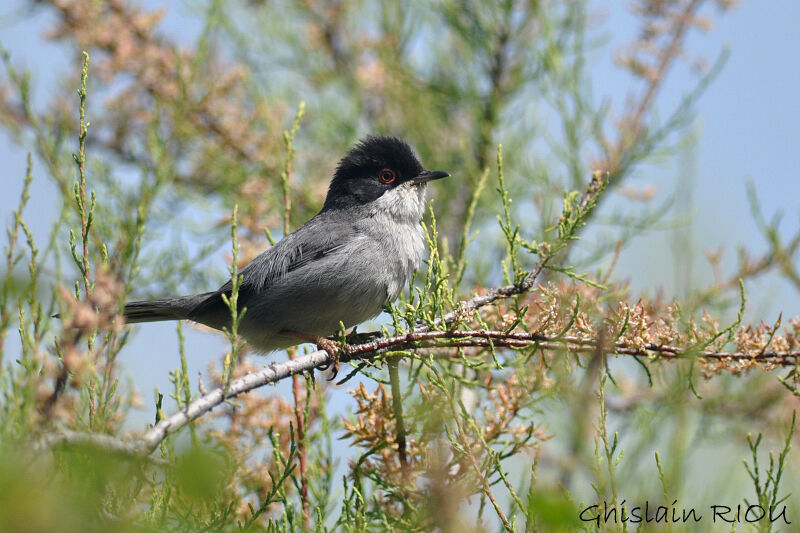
{"x":345,"y":264}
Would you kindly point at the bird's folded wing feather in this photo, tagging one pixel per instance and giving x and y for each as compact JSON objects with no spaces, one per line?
{"x":309,"y":243}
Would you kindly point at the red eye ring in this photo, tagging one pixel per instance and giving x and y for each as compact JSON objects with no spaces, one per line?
{"x":387,"y":175}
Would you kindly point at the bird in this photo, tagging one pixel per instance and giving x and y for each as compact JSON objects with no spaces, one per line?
{"x":343,"y":266}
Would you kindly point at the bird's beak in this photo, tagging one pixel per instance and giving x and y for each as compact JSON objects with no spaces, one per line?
{"x":429,"y":175}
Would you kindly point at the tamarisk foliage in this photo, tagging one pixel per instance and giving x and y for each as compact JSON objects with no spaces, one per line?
{"x":517,"y":385}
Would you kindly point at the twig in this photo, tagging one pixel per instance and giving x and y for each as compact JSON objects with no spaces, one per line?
{"x":288,"y":140}
{"x":487,"y":489}
{"x":80,"y":159}
{"x":232,"y":302}
{"x":397,"y":406}
{"x":631,"y":128}
{"x":12,"y":258}
{"x":497,"y":72}
{"x":96,"y":440}
{"x":301,"y":443}
{"x":669,"y":54}
{"x":482,"y":476}
{"x":86,"y":222}
{"x":271,"y":374}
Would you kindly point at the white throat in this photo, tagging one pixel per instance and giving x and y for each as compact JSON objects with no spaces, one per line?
{"x":405,"y":203}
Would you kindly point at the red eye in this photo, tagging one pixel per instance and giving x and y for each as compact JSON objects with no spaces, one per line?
{"x":387,"y":175}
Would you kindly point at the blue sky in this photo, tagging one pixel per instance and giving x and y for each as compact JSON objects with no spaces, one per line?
{"x":748,"y":127}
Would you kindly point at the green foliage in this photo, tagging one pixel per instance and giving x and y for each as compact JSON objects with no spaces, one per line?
{"x":501,"y":392}
{"x":768,"y":490}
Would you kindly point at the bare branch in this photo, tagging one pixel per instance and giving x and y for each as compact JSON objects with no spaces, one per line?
{"x":271,"y":374}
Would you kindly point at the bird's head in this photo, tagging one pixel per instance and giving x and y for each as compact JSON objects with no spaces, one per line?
{"x":377,"y":165}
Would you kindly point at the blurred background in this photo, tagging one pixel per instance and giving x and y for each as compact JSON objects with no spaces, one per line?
{"x":690,"y":105}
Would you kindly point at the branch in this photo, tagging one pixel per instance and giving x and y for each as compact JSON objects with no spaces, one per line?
{"x":271,"y":374}
{"x":369,"y":350}
{"x":672,"y":51}
{"x":102,"y":441}
{"x":484,"y":338}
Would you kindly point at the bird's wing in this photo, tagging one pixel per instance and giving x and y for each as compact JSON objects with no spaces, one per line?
{"x":311,"y":242}
{"x":318,"y":238}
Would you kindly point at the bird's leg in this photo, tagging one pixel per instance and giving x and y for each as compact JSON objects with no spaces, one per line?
{"x":322,"y":343}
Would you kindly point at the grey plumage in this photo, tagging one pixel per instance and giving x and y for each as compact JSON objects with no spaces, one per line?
{"x":344,"y":264}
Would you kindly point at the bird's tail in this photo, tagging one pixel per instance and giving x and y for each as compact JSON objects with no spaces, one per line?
{"x":166,"y":309}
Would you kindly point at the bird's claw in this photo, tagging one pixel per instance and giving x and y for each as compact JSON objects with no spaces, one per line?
{"x":333,"y":350}
{"x":323,"y":343}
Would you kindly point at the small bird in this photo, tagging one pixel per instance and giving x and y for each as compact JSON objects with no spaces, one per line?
{"x":345,"y":264}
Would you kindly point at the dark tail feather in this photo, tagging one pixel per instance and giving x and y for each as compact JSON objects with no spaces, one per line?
{"x":166,"y":309}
